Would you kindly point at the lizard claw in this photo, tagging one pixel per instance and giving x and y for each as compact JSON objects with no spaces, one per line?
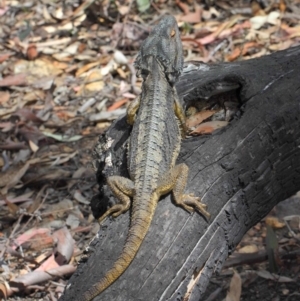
{"x":114,"y":211}
{"x":190,"y":203}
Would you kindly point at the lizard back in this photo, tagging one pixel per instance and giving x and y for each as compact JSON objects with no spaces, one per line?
{"x":155,"y":138}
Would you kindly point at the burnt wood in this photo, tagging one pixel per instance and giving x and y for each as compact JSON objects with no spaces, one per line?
{"x":240,"y":171}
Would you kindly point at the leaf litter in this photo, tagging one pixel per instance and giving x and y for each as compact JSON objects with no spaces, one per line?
{"x":66,"y":72}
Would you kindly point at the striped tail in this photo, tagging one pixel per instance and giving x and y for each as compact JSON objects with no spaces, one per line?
{"x":140,"y":223}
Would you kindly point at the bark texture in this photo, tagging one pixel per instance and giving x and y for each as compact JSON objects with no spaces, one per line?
{"x":240,"y":172}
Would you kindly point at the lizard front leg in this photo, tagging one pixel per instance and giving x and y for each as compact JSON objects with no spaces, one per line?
{"x":175,"y":181}
{"x":123,"y":189}
{"x":132,"y":109}
{"x":179,"y":113}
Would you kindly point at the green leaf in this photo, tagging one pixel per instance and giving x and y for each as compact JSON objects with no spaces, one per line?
{"x":143,"y":5}
{"x":272,"y":249}
{"x":26,"y":32}
{"x":62,"y":138}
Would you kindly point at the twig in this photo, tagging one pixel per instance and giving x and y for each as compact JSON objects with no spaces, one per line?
{"x":11,"y":235}
{"x":251,"y":258}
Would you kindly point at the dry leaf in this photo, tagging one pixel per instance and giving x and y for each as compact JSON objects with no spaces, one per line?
{"x":10,"y":145}
{"x":67,"y":53}
{"x":131,"y":34}
{"x":292,"y":31}
{"x":13,"y":80}
{"x":123,"y":9}
{"x":270,"y":276}
{"x":183,"y":6}
{"x":86,"y":68}
{"x":235,"y":288}
{"x":65,"y":115}
{"x":4,"y":57}
{"x":282,"y":6}
{"x":34,"y":95}
{"x":6,"y":126}
{"x":258,"y":21}
{"x":199,"y":117}
{"x":109,"y":68}
{"x":192,"y":17}
{"x":96,"y":83}
{"x":18,"y":199}
{"x":65,"y":245}
{"x":208,"y":127}
{"x":10,"y":178}
{"x":107,"y":115}
{"x":5,"y":290}
{"x":58,"y":210}
{"x":42,"y":275}
{"x":222,"y":33}
{"x":81,"y":8}
{"x":42,"y":257}
{"x":282,"y":45}
{"x":248,"y":249}
{"x":12,"y":207}
{"x":117,"y":104}
{"x":30,"y":234}
{"x":27,"y":115}
{"x":33,"y":146}
{"x":80,"y":198}
{"x":78,"y":174}
{"x":73,"y":221}
{"x":274,"y":222}
{"x":37,"y":69}
{"x":129,"y":95}
{"x":256,"y":9}
{"x":4,"y":97}
{"x":120,"y":58}
{"x":40,"y":241}
{"x":48,"y":264}
{"x":121,"y":73}
{"x":241,"y":50}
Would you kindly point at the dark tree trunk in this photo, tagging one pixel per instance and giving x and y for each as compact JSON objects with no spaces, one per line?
{"x":240,"y":171}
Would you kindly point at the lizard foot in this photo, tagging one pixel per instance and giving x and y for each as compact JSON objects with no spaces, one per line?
{"x":114,"y":211}
{"x":122,"y":188}
{"x":175,"y":181}
{"x":190,"y":203}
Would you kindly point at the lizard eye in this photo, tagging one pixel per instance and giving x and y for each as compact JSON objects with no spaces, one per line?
{"x":173,"y":33}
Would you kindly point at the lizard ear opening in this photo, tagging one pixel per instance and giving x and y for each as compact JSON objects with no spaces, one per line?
{"x":173,"y":32}
{"x":142,"y":73}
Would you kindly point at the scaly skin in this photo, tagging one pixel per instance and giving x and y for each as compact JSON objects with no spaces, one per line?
{"x":158,"y":120}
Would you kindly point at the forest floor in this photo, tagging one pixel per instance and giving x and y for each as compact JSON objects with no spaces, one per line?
{"x":66,"y":71}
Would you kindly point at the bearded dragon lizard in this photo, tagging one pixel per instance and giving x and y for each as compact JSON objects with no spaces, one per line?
{"x":158,"y":125}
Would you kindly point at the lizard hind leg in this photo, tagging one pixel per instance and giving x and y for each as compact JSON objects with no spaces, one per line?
{"x":175,"y":180}
{"x":123,"y":189}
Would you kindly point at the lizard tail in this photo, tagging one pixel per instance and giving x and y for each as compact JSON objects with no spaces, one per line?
{"x":140,"y":223}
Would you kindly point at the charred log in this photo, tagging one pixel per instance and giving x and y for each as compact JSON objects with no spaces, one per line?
{"x":240,"y":172}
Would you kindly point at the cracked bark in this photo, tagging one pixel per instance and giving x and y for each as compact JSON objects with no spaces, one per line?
{"x":240,"y":171}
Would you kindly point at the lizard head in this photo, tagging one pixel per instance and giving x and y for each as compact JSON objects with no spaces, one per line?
{"x":165,"y":45}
